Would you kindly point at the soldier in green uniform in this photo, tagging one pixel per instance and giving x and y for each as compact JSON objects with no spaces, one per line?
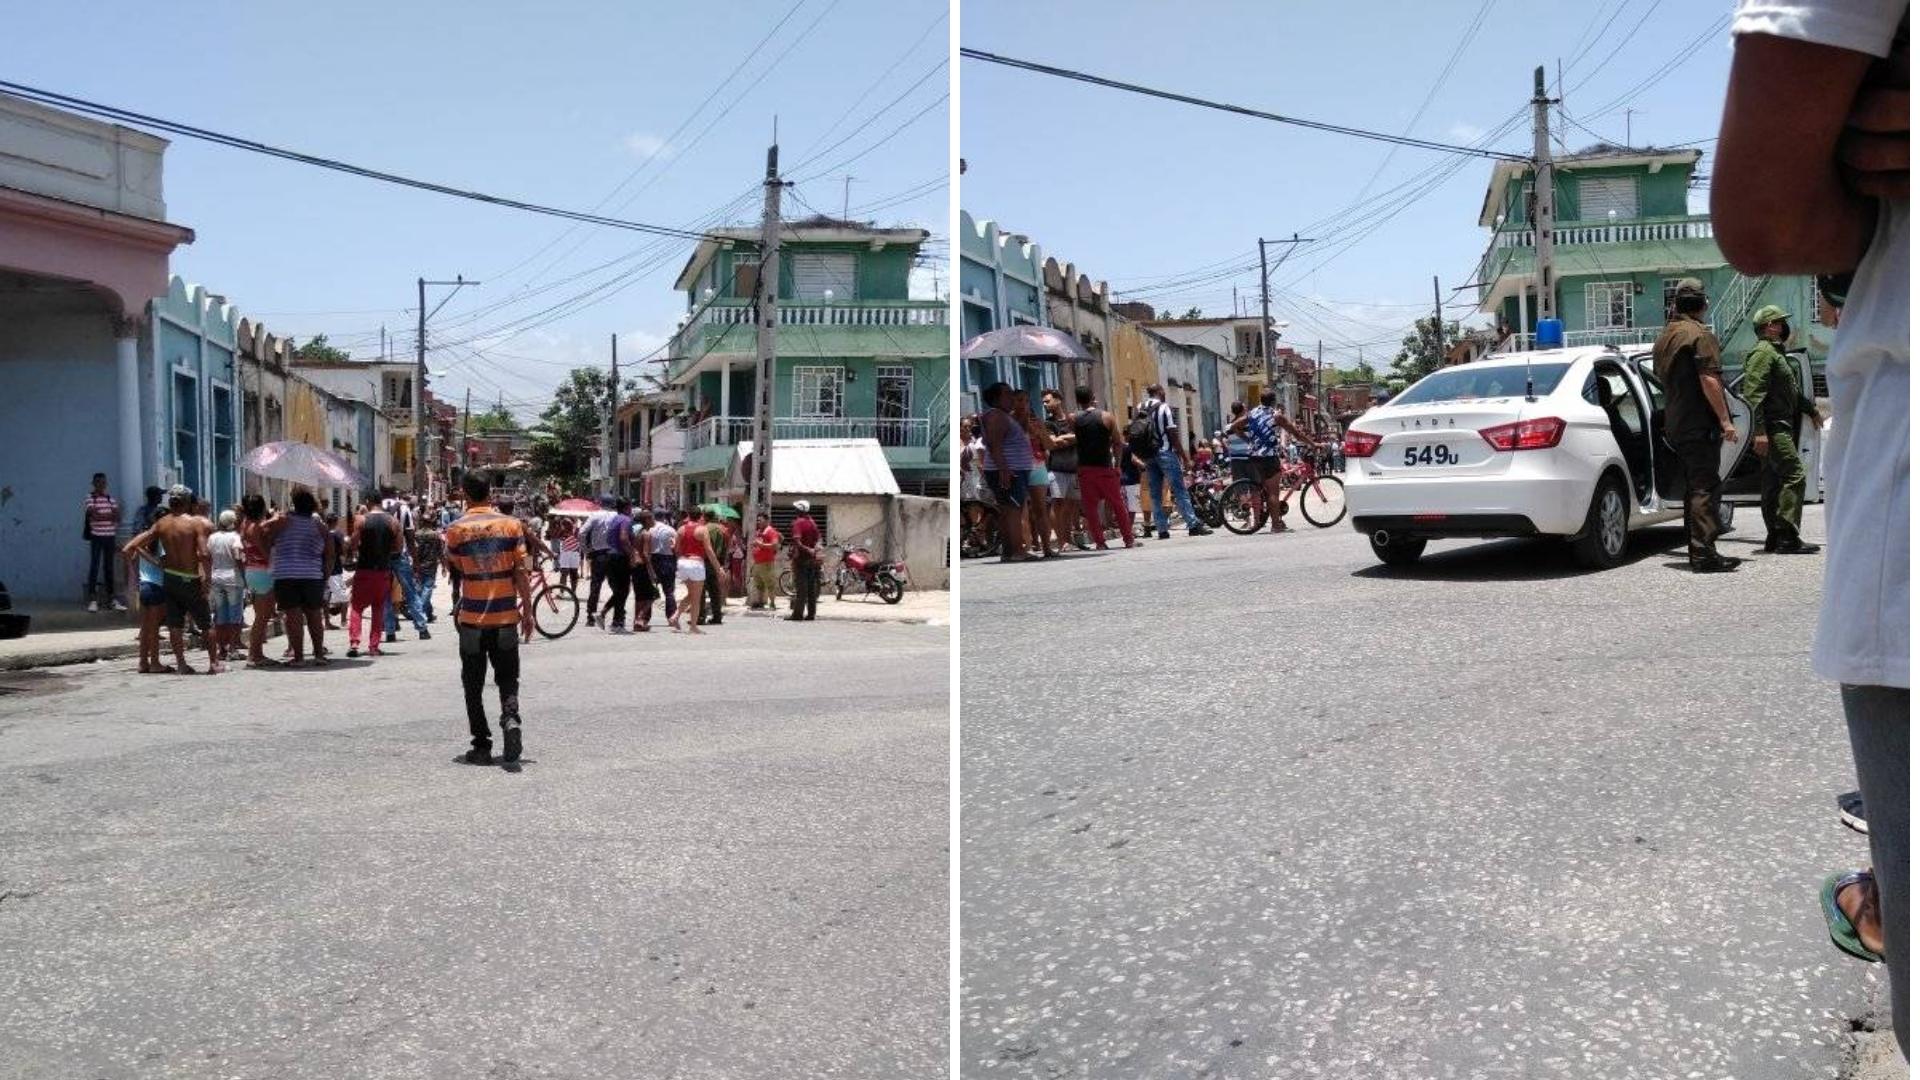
{"x":1770,"y":383}
{"x":1687,"y":359}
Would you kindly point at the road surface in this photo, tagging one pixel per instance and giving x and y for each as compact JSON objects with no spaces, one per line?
{"x":1258,"y":807}
{"x":726,"y":857}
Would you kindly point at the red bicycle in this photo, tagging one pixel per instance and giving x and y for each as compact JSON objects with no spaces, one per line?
{"x":1323,"y":499}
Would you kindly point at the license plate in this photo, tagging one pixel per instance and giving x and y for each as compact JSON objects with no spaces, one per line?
{"x":1430,"y":454}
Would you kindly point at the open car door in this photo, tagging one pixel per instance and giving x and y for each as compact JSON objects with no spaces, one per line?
{"x":1669,"y":477}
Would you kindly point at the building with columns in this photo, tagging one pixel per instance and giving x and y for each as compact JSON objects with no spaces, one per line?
{"x":858,"y":360}
{"x":86,"y":349}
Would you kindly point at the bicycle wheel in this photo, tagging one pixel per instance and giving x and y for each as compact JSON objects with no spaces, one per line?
{"x":1240,"y":508}
{"x":786,"y":582}
{"x":1205,"y":506}
{"x":1323,"y":502}
{"x":555,"y":611}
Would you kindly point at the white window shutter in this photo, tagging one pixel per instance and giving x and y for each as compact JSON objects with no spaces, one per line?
{"x":815,"y":272}
{"x":1620,"y":194}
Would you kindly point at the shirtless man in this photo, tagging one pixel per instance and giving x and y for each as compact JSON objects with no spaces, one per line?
{"x":187,"y":568}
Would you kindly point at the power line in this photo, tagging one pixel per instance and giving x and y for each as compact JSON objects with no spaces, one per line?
{"x":876,"y":144}
{"x":668,"y":141}
{"x":938,"y":18}
{"x":1242,"y":110}
{"x":1453,"y":60}
{"x":125,"y":116}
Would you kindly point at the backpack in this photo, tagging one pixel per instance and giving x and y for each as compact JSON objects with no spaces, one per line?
{"x":1143,"y":431}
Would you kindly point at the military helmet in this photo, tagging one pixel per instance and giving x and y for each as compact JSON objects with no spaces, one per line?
{"x":1770,"y":313}
{"x":1689,"y":287}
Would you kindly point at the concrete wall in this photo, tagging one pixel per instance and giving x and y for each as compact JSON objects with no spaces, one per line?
{"x":1136,"y":365}
{"x":64,"y":156}
{"x":922,"y":535}
{"x":906,"y":527}
{"x":56,"y":406}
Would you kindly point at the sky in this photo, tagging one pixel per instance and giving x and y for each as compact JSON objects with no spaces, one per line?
{"x":1167,"y":200}
{"x":559,"y":104}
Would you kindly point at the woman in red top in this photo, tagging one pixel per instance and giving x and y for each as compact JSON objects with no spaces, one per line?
{"x":695,"y":551}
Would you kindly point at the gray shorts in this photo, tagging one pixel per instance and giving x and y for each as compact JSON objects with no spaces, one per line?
{"x":1064,"y":485}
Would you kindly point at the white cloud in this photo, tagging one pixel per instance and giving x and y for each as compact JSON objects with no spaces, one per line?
{"x":1466,"y":133}
{"x":642,"y":145}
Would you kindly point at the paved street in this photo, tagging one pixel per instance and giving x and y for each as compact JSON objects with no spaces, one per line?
{"x":726,"y":857}
{"x":1257,"y":807}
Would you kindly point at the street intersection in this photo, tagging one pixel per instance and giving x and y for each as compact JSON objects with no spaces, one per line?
{"x":726,"y":857}
{"x":1260,"y":807}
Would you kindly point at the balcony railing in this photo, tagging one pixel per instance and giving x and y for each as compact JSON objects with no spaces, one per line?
{"x":731,"y":430}
{"x":1632,"y":232}
{"x":1657,"y":230}
{"x":667,"y":444}
{"x":1620,"y":337}
{"x":800,"y":313}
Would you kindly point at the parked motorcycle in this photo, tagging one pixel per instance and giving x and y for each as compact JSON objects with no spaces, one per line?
{"x":859,"y":571}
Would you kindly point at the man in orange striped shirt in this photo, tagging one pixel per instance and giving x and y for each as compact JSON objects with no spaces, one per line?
{"x":489,"y":551}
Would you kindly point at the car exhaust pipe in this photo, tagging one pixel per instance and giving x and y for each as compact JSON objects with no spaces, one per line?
{"x":1381,"y":538}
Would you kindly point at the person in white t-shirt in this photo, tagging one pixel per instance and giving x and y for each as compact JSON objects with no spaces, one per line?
{"x":1811,"y":178}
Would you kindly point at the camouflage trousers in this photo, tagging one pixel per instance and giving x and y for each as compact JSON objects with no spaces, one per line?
{"x":1783,"y":486}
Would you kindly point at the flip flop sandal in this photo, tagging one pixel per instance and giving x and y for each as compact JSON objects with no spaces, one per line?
{"x":1839,"y":927}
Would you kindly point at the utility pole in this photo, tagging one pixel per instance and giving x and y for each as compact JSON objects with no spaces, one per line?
{"x":1266,"y":319}
{"x":846,"y":194}
{"x":766,"y":320}
{"x":419,"y":384}
{"x":606,"y":426}
{"x":466,"y":433}
{"x":1542,"y":197}
{"x":1439,"y":328}
{"x":1629,"y":129}
{"x":420,"y":377}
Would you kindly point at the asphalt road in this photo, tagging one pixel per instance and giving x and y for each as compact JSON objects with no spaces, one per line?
{"x":1258,"y":807}
{"x":725,"y":858}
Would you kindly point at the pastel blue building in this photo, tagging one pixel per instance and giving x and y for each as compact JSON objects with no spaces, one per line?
{"x":1002,"y":282}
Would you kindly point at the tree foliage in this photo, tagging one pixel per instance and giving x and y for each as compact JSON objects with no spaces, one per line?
{"x":496,"y":419}
{"x":1424,"y":349}
{"x":1362,"y":372}
{"x":573,"y":423}
{"x":316,"y":349}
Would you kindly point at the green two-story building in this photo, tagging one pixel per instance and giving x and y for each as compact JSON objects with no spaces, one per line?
{"x":857,"y":360}
{"x":1623,"y":237}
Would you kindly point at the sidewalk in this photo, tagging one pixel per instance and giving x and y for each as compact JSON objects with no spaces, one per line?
{"x":930,"y":607}
{"x":77,"y":637}
{"x":70,"y":634}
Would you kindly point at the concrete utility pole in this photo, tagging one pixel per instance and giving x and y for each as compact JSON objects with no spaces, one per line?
{"x":420,"y":377}
{"x":1439,"y":332}
{"x":466,"y":433}
{"x":606,"y":427}
{"x":1266,"y":320}
{"x":1542,"y":197}
{"x":766,"y":321}
{"x":419,"y":384}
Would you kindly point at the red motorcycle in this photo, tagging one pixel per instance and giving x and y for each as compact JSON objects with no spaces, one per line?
{"x":859,"y":571}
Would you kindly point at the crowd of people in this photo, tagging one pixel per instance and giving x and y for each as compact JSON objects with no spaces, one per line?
{"x":313,"y":568}
{"x":1035,"y":484}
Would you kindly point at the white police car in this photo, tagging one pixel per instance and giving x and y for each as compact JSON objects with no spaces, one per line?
{"x":1562,"y":443}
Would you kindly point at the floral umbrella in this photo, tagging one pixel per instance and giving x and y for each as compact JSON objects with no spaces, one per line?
{"x":299,"y":463}
{"x":1025,"y":341}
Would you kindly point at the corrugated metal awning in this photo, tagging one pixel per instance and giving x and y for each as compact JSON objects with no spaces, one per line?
{"x":823,"y":467}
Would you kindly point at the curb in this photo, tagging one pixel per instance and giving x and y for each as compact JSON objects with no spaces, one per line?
{"x":65,"y":657}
